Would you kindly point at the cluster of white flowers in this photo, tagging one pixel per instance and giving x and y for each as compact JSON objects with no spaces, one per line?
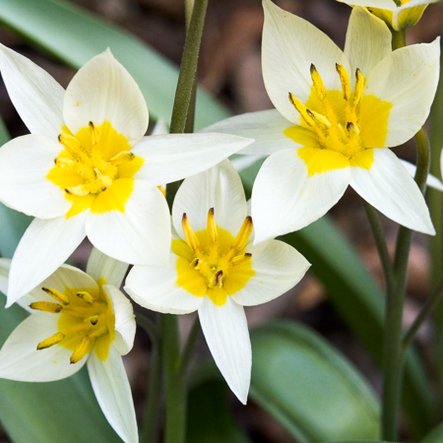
{"x":87,"y":170}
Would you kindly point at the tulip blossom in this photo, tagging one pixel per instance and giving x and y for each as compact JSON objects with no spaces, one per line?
{"x":337,"y":113}
{"x":86,"y":169}
{"x":216,"y":270}
{"x":77,"y":318}
{"x":397,"y":16}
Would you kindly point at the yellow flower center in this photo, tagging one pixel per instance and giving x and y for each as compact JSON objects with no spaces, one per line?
{"x":95,"y":169}
{"x":339,"y":129}
{"x":86,"y":321}
{"x":212,"y":262}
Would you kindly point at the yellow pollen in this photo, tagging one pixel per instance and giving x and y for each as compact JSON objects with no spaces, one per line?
{"x":339,"y":128}
{"x":95,"y":168}
{"x":85,"y":323}
{"x":212,"y":262}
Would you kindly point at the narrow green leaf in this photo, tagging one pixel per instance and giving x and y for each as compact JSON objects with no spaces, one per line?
{"x":310,"y":388}
{"x":435,"y":436}
{"x":74,"y":36}
{"x":209,"y":417}
{"x":64,"y":411}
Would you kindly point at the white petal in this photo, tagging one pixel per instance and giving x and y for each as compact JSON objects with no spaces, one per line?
{"x":20,"y":360}
{"x":226,"y":332}
{"x":397,"y":78}
{"x":220,"y":188}
{"x":101,"y":266}
{"x":160,"y":128}
{"x":289,"y":46}
{"x":285,"y":198}
{"x":141,"y":234}
{"x":389,"y":188}
{"x":5,"y":264}
{"x":24,"y":164}
{"x":384,"y":4}
{"x":103,"y":90}
{"x":278,"y":267}
{"x":45,"y":245}
{"x":368,"y":40}
{"x":265,"y":127}
{"x":173,"y":157}
{"x":155,"y":288}
{"x":124,"y":319}
{"x":113,"y":393}
{"x":431,"y":180}
{"x":37,"y":97}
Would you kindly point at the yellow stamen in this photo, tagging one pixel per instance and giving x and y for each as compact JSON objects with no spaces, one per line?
{"x":301,"y":108}
{"x":86,"y":297}
{"x":51,"y":341}
{"x":57,"y":295}
{"x":242,"y":239}
{"x":190,"y":236}
{"x":344,"y":80}
{"x":46,"y":306}
{"x":211,"y":226}
{"x":81,"y":350}
{"x":359,"y":86}
{"x":318,"y":83}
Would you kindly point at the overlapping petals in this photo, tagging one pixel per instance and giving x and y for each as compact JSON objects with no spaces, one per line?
{"x":215,"y":269}
{"x":343,"y":109}
{"x":76,"y":319}
{"x":88,"y":167}
{"x":408,"y":13}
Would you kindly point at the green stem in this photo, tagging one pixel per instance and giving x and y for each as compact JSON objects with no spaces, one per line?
{"x":152,"y":408}
{"x":187,"y":351}
{"x":380,"y":243}
{"x":392,"y":348}
{"x":188,"y":68}
{"x":427,"y":309}
{"x":175,"y":428}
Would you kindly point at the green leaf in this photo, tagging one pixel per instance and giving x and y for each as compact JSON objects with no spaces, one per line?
{"x":310,"y":388}
{"x":435,"y":436}
{"x":359,"y":301}
{"x":209,"y":417}
{"x":49,"y":412}
{"x":74,"y":36}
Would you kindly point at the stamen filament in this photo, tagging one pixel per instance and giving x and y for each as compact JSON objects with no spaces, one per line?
{"x":86,"y":297}
{"x":243,"y":235}
{"x":301,"y":108}
{"x":211,"y":226}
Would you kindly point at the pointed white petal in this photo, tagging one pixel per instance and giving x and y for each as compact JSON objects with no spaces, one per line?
{"x":220,"y":188}
{"x":45,"y":245}
{"x":103,"y":90}
{"x":226,"y":332}
{"x":368,"y":40}
{"x":285,"y":198}
{"x":160,"y":128}
{"x":24,"y":164}
{"x":37,"y":97}
{"x":20,"y":360}
{"x":397,"y":78}
{"x":173,"y":157}
{"x":5,"y":264}
{"x":155,"y":288}
{"x":113,"y":393}
{"x":141,"y":234}
{"x":124,"y":319}
{"x":289,"y":46}
{"x":101,"y":266}
{"x":265,"y":127}
{"x":278,"y":267}
{"x":431,"y":180}
{"x":389,"y":188}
